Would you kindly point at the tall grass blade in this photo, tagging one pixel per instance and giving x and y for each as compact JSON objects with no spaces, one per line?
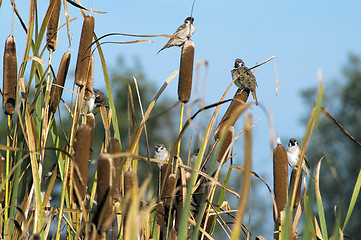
{"x":321,"y":212}
{"x":354,"y":197}
{"x":246,"y":181}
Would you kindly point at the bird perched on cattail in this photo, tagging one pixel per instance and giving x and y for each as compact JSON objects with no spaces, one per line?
{"x":161,"y":153}
{"x":293,"y":154}
{"x":244,"y":78}
{"x":96,"y":97}
{"x":183,"y":33}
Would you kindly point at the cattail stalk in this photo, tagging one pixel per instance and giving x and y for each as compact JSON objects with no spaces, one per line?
{"x":169,"y":188}
{"x":53,"y":25}
{"x":9,"y":76}
{"x":56,"y":91}
{"x":90,"y":80}
{"x":280,"y":180}
{"x":246,"y":181}
{"x":160,"y":219}
{"x":113,"y":148}
{"x":103,"y":217}
{"x":226,"y":140}
{"x":186,"y":71}
{"x":130,"y":191}
{"x":130,"y":182}
{"x":81,"y":161}
{"x":84,"y":52}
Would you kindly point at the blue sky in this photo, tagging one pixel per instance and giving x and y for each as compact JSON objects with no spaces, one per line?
{"x":303,"y":35}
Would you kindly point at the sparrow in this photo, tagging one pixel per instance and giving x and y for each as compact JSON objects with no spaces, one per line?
{"x":293,"y":154}
{"x":99,"y":95}
{"x":244,"y":78}
{"x":96,"y":97}
{"x":183,"y":33}
{"x":161,"y":153}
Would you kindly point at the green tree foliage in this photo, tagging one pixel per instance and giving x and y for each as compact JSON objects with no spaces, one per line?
{"x":159,"y":129}
{"x":342,"y":156}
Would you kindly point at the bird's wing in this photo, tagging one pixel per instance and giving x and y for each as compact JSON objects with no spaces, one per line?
{"x":235,"y":73}
{"x":245,"y":70}
{"x":250,"y":74}
{"x":180,"y":28}
{"x":306,"y":162}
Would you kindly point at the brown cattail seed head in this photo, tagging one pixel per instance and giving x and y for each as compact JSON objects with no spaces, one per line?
{"x":160,"y":216}
{"x":56,"y":91}
{"x":226,"y":140}
{"x":105,"y":182}
{"x":292,"y":181}
{"x":130,"y":182}
{"x":232,"y":113}
{"x":113,"y":148}
{"x":169,"y":188}
{"x":164,"y":176}
{"x":89,"y":82}
{"x":84,"y":52}
{"x":81,"y":158}
{"x":130,"y":188}
{"x":9,"y":76}
{"x":53,"y":25}
{"x":280,"y":179}
{"x":186,"y":71}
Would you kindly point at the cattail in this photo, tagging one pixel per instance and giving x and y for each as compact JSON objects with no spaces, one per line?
{"x":186,"y":71}
{"x":280,"y":180}
{"x":233,"y":111}
{"x":164,"y":176}
{"x":84,"y":52}
{"x":81,"y":158}
{"x":226,"y":141}
{"x":89,"y":82}
{"x":53,"y":25}
{"x":292,"y":182}
{"x":56,"y":91}
{"x":130,"y":182}
{"x":130,"y":188}
{"x":169,"y":188}
{"x":9,"y":76}
{"x":103,"y":217}
{"x":90,"y":121}
{"x":160,"y":219}
{"x":113,"y":148}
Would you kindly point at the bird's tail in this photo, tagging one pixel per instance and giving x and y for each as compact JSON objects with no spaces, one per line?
{"x":255,"y":98}
{"x":162,"y":48}
{"x":308,"y":173}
